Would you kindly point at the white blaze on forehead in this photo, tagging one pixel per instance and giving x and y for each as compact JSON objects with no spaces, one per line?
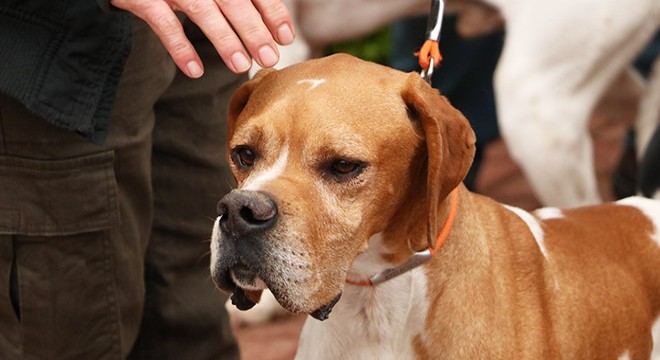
{"x":258,"y":178}
{"x":313,"y":83}
{"x":650,"y":208}
{"x":533,"y":225}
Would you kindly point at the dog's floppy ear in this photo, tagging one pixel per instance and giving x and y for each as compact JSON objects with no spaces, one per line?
{"x":241,"y":97}
{"x":450,"y":141}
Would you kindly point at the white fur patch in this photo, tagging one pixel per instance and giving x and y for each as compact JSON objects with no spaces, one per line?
{"x":257,"y":179}
{"x":371,"y":261}
{"x":215,"y":243}
{"x":314,"y":83}
{"x":650,"y":208}
{"x":533,"y":225}
{"x":549,"y":213}
{"x":625,"y":355}
{"x":655,"y":332}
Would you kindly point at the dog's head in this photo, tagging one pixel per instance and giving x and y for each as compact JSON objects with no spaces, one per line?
{"x":326,"y":154}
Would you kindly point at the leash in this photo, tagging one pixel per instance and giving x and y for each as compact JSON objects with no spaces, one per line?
{"x":419,"y":257}
{"x":429,"y":55}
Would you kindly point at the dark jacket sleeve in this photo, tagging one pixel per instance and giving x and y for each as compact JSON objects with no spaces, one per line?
{"x":63,"y":60}
{"x":106,"y":6}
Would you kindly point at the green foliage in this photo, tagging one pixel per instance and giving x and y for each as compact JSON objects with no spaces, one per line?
{"x":374,"y":47}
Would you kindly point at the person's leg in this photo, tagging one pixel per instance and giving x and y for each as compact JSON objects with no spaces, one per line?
{"x":184,"y":314}
{"x":75,"y":220}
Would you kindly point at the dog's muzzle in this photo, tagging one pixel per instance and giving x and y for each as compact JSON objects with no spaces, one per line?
{"x":245,"y":263}
{"x":244,"y":216}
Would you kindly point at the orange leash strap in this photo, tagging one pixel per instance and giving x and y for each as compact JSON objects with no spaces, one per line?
{"x":449,"y":224}
{"x":430,"y":50}
{"x":429,"y":55}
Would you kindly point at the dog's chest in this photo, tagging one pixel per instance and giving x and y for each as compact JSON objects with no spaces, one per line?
{"x":379,"y":322}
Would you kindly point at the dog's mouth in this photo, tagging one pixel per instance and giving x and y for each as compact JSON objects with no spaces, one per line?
{"x":246,"y":278}
{"x":248,"y":287}
{"x":323,"y":312}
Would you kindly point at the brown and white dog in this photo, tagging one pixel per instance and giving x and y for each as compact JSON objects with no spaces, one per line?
{"x":348,"y":170}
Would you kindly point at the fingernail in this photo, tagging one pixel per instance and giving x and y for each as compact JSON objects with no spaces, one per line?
{"x":285,"y":34}
{"x":241,"y":62}
{"x":268,"y":56}
{"x":194,"y":69}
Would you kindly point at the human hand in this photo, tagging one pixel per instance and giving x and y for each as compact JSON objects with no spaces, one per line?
{"x":231,"y":26}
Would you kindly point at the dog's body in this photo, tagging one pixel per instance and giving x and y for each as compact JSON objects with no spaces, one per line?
{"x":344,"y":167}
{"x":508,"y":285}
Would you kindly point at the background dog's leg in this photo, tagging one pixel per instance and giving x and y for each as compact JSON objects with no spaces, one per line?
{"x":545,"y":98}
{"x":649,"y":112}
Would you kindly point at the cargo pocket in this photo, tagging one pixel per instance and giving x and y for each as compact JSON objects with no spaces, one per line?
{"x":57,"y":197}
{"x":56,"y":257}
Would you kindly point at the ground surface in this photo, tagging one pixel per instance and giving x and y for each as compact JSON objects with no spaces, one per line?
{"x":276,"y":340}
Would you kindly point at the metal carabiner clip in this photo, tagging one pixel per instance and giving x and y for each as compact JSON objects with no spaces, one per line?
{"x":427,"y":73}
{"x":429,"y":55}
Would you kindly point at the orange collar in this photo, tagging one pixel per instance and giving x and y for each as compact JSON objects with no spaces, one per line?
{"x":419,"y":257}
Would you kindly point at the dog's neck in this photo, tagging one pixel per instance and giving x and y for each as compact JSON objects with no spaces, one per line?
{"x":377,"y":309}
{"x":371,"y":322}
{"x":392,"y":315}
{"x":380,"y":254}
{"x":406,"y":236}
{"x":374,"y":307}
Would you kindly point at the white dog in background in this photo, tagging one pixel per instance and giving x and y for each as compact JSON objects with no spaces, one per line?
{"x":559,"y":58}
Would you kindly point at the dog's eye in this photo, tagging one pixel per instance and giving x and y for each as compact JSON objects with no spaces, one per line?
{"x":343,"y":169}
{"x":244,"y":156}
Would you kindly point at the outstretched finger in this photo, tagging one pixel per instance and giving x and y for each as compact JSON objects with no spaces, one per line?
{"x":161,"y":18}
{"x":210,"y":19}
{"x":278,"y":19}
{"x":250,"y":27}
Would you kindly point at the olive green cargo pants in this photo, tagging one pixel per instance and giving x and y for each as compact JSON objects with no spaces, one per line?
{"x":104,"y":249}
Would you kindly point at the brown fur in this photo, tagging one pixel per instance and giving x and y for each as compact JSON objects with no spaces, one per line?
{"x":491,"y":292}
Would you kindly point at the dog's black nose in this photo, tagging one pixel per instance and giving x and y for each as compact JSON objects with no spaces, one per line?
{"x":246,"y":212}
